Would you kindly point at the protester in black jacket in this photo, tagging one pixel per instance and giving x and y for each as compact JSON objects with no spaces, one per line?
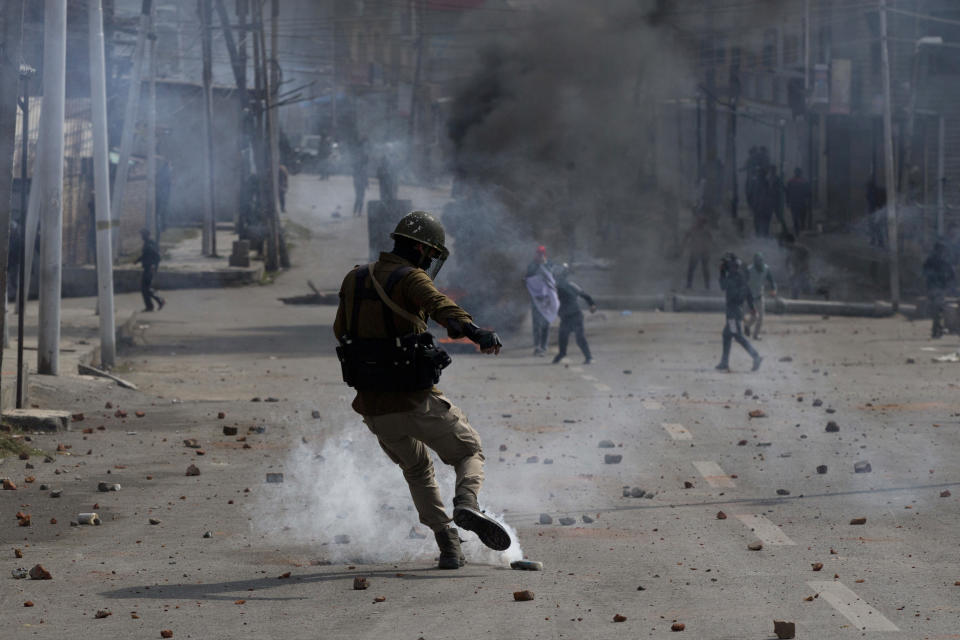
{"x":150,"y":259}
{"x":571,"y":316}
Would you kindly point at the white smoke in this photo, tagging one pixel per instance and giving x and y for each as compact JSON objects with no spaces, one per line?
{"x":345,"y":485}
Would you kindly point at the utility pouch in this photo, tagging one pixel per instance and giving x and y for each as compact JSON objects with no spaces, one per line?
{"x":409,"y":363}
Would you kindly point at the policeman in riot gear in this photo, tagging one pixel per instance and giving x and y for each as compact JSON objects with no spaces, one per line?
{"x":733,"y":281}
{"x":387,"y":355}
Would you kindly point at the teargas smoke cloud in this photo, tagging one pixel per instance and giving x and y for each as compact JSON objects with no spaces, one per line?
{"x":554,"y":137}
{"x":346,"y":486}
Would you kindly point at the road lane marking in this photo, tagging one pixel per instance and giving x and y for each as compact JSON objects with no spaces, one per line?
{"x":588,"y":377}
{"x":768,"y":533}
{"x":576,"y":369}
{"x":601,"y":387}
{"x":676,"y":431}
{"x":652,"y":405}
{"x":849,"y":604}
{"x":713,"y":474}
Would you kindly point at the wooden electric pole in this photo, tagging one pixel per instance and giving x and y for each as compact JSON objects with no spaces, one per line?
{"x":209,"y":236}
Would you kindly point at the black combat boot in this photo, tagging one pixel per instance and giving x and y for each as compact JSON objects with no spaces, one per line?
{"x":467,"y":515}
{"x":451,"y":557}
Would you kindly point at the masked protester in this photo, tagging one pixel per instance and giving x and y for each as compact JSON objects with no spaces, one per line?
{"x":544,"y":302}
{"x":387,"y":355}
{"x":733,"y":281}
{"x":941,"y":278}
{"x":571,"y":315}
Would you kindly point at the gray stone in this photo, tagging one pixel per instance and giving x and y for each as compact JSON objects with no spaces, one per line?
{"x":612,"y":458}
{"x":832,"y":427}
{"x":546,"y":518}
{"x":567,"y":521}
{"x":862,"y":467}
{"x":637,"y":492}
{"x":822,"y":469}
{"x":606,"y":444}
{"x":587,"y":519}
{"x":274,"y":478}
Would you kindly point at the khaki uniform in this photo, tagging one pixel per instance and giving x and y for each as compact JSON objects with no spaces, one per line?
{"x":406,"y":423}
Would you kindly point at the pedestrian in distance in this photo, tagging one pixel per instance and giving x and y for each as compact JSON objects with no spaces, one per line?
{"x":697,"y":241}
{"x":360,"y":177}
{"x":733,"y":281}
{"x":940,"y":279}
{"x":150,"y":260}
{"x":571,"y":315}
{"x":283,"y":184}
{"x":387,"y":355}
{"x":544,"y":303}
{"x":799,"y":198}
{"x":759,"y":277}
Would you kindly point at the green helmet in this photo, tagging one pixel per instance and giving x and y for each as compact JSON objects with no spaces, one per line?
{"x":422,"y":227}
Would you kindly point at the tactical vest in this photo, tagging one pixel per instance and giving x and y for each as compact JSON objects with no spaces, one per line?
{"x":412,"y":362}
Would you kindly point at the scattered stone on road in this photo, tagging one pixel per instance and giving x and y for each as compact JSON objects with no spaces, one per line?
{"x":677,"y":626}
{"x":612,"y":458}
{"x":784,"y":630}
{"x":416,"y":535}
{"x":721,"y":515}
{"x":858,"y":521}
{"x":191,"y":443}
{"x":229,"y":431}
{"x":192,"y":470}
{"x":108,"y":486}
{"x":523,"y":596}
{"x":359,"y":584}
{"x":757,"y":413}
{"x":832,"y":427}
{"x":687,"y":484}
{"x":945,"y":493}
{"x":533,"y":460}
{"x":606,"y":444}
{"x":637,"y":492}
{"x":816,"y":566}
{"x":155,"y":520}
{"x":103,"y":613}
{"x":783,"y":492}
{"x":821,"y":469}
{"x":755,"y":546}
{"x":274,"y":478}
{"x":166,"y":633}
{"x":862,"y":467}
{"x":39,"y":573}
{"x":818,"y":402}
{"x":587,"y":519}
{"x":619,"y":618}
{"x":567,"y":521}
{"x":546,"y":518}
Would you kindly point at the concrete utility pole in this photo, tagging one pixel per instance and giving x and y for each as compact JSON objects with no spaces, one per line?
{"x":101,"y":179}
{"x":889,"y":169}
{"x":21,"y":289}
{"x":150,"y":221}
{"x":49,"y":177}
{"x":209,"y":220}
{"x":9,"y":90}
{"x":130,"y":123}
{"x":941,"y":139}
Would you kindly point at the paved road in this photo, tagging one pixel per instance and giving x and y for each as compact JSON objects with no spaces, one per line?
{"x":652,"y":392}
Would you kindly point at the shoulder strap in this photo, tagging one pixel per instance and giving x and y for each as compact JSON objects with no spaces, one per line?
{"x":358,"y":282}
{"x":397,"y":309}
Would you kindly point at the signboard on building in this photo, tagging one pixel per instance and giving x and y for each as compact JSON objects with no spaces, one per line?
{"x":820,"y":90}
{"x":840,"y":86}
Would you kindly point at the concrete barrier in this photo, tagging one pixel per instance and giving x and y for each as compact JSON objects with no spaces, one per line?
{"x":82,"y":281}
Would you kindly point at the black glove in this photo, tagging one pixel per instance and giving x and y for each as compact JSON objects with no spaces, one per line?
{"x":486,"y":339}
